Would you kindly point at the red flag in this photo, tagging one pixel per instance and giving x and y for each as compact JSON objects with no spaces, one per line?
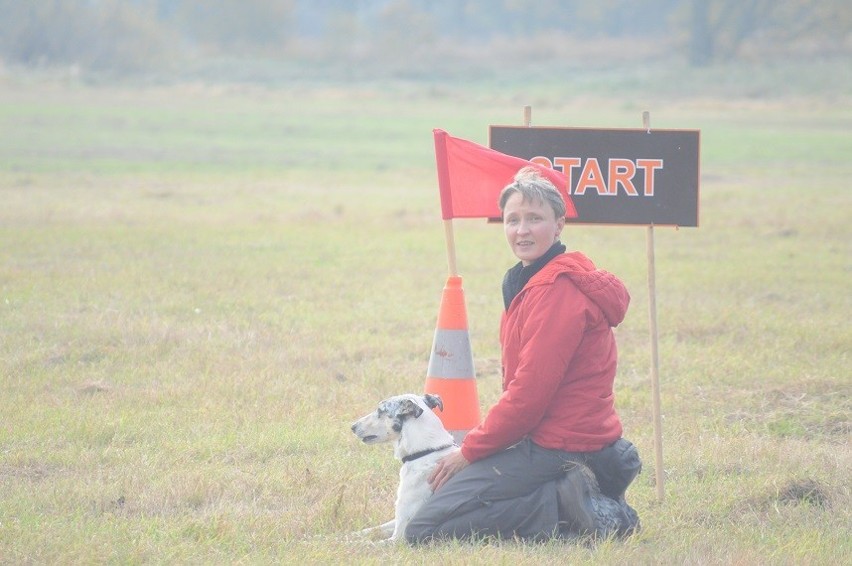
{"x":471,"y":176}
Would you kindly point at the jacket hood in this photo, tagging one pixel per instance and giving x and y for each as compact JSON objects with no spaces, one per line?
{"x":602,"y":287}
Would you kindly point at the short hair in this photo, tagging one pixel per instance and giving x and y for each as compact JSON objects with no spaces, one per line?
{"x":533,"y":186}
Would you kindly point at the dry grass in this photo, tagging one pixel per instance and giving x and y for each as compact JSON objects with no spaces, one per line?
{"x":186,"y":334}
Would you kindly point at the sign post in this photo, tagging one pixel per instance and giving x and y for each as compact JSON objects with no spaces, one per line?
{"x":659,"y":472}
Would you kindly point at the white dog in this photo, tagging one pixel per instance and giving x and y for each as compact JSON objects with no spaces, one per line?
{"x":420,"y":440}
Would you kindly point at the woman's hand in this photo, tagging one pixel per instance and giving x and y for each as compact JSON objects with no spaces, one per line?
{"x":447,"y":467}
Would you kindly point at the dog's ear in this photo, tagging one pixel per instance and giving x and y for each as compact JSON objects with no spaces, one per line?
{"x":406,"y":410}
{"x":409,"y":408}
{"x":433,"y":401}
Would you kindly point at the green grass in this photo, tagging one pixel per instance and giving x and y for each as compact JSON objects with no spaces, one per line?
{"x":201,"y":287}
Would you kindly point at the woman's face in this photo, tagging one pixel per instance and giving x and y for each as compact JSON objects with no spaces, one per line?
{"x":531,"y":227}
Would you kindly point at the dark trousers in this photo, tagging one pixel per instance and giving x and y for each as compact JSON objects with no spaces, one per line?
{"x":513,"y":493}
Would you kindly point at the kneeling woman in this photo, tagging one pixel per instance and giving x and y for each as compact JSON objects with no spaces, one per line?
{"x":548,"y":459}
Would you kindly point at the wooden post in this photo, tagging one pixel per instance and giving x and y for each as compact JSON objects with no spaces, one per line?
{"x":655,"y":358}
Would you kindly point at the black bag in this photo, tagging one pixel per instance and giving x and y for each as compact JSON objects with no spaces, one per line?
{"x":615,"y":467}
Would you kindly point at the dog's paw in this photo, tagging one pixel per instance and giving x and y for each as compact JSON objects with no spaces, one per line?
{"x":379,"y":532}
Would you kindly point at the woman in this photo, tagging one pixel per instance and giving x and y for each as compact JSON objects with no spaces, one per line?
{"x":548,"y":459}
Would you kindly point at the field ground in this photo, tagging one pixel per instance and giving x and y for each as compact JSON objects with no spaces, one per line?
{"x":202,"y":286}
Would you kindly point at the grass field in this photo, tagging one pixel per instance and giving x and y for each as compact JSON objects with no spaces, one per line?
{"x":202,"y":286}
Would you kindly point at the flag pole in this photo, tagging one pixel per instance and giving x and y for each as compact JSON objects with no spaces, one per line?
{"x":446,"y":199}
{"x":655,"y":357}
{"x":451,"y":247}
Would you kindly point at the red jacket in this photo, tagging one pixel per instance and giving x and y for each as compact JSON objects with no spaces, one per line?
{"x":559,"y":362}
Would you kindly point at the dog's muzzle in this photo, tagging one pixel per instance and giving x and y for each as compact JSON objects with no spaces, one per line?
{"x":365,"y":439}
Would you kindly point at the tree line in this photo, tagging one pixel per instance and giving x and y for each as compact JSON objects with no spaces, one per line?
{"x":143,"y":35}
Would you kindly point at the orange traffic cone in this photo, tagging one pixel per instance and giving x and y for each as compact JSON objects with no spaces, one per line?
{"x":451,"y":375}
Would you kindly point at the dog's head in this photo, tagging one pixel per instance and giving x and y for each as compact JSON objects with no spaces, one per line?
{"x":386,"y":422}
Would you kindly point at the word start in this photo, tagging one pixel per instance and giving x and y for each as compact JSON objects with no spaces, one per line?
{"x":619,"y":173}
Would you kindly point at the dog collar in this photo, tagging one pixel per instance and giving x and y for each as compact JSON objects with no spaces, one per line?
{"x":422,"y":453}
